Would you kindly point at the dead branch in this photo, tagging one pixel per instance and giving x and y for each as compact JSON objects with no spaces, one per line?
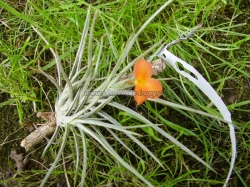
{"x":40,"y":133}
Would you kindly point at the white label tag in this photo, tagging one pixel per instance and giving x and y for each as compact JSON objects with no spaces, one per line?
{"x":195,"y":77}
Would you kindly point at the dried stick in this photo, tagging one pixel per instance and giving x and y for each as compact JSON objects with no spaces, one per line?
{"x":40,"y":133}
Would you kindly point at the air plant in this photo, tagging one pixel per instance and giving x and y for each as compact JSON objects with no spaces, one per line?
{"x":81,"y":113}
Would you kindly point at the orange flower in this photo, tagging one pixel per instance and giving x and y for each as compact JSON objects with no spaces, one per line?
{"x":145,"y":86}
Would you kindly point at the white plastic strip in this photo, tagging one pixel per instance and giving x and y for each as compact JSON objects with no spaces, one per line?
{"x":195,"y":77}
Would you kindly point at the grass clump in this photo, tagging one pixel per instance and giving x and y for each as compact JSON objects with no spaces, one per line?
{"x":218,"y":52}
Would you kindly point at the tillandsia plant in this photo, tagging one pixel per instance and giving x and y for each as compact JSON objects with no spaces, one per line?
{"x":80,"y":102}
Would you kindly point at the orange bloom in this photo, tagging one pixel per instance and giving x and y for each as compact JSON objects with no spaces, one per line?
{"x":145,"y":86}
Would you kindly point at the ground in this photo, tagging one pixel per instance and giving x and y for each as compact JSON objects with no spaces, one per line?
{"x":229,"y":76}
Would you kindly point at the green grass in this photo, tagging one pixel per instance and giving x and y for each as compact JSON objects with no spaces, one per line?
{"x":219,"y":51}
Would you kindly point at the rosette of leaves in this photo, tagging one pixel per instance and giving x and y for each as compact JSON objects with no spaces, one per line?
{"x":81,"y":113}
